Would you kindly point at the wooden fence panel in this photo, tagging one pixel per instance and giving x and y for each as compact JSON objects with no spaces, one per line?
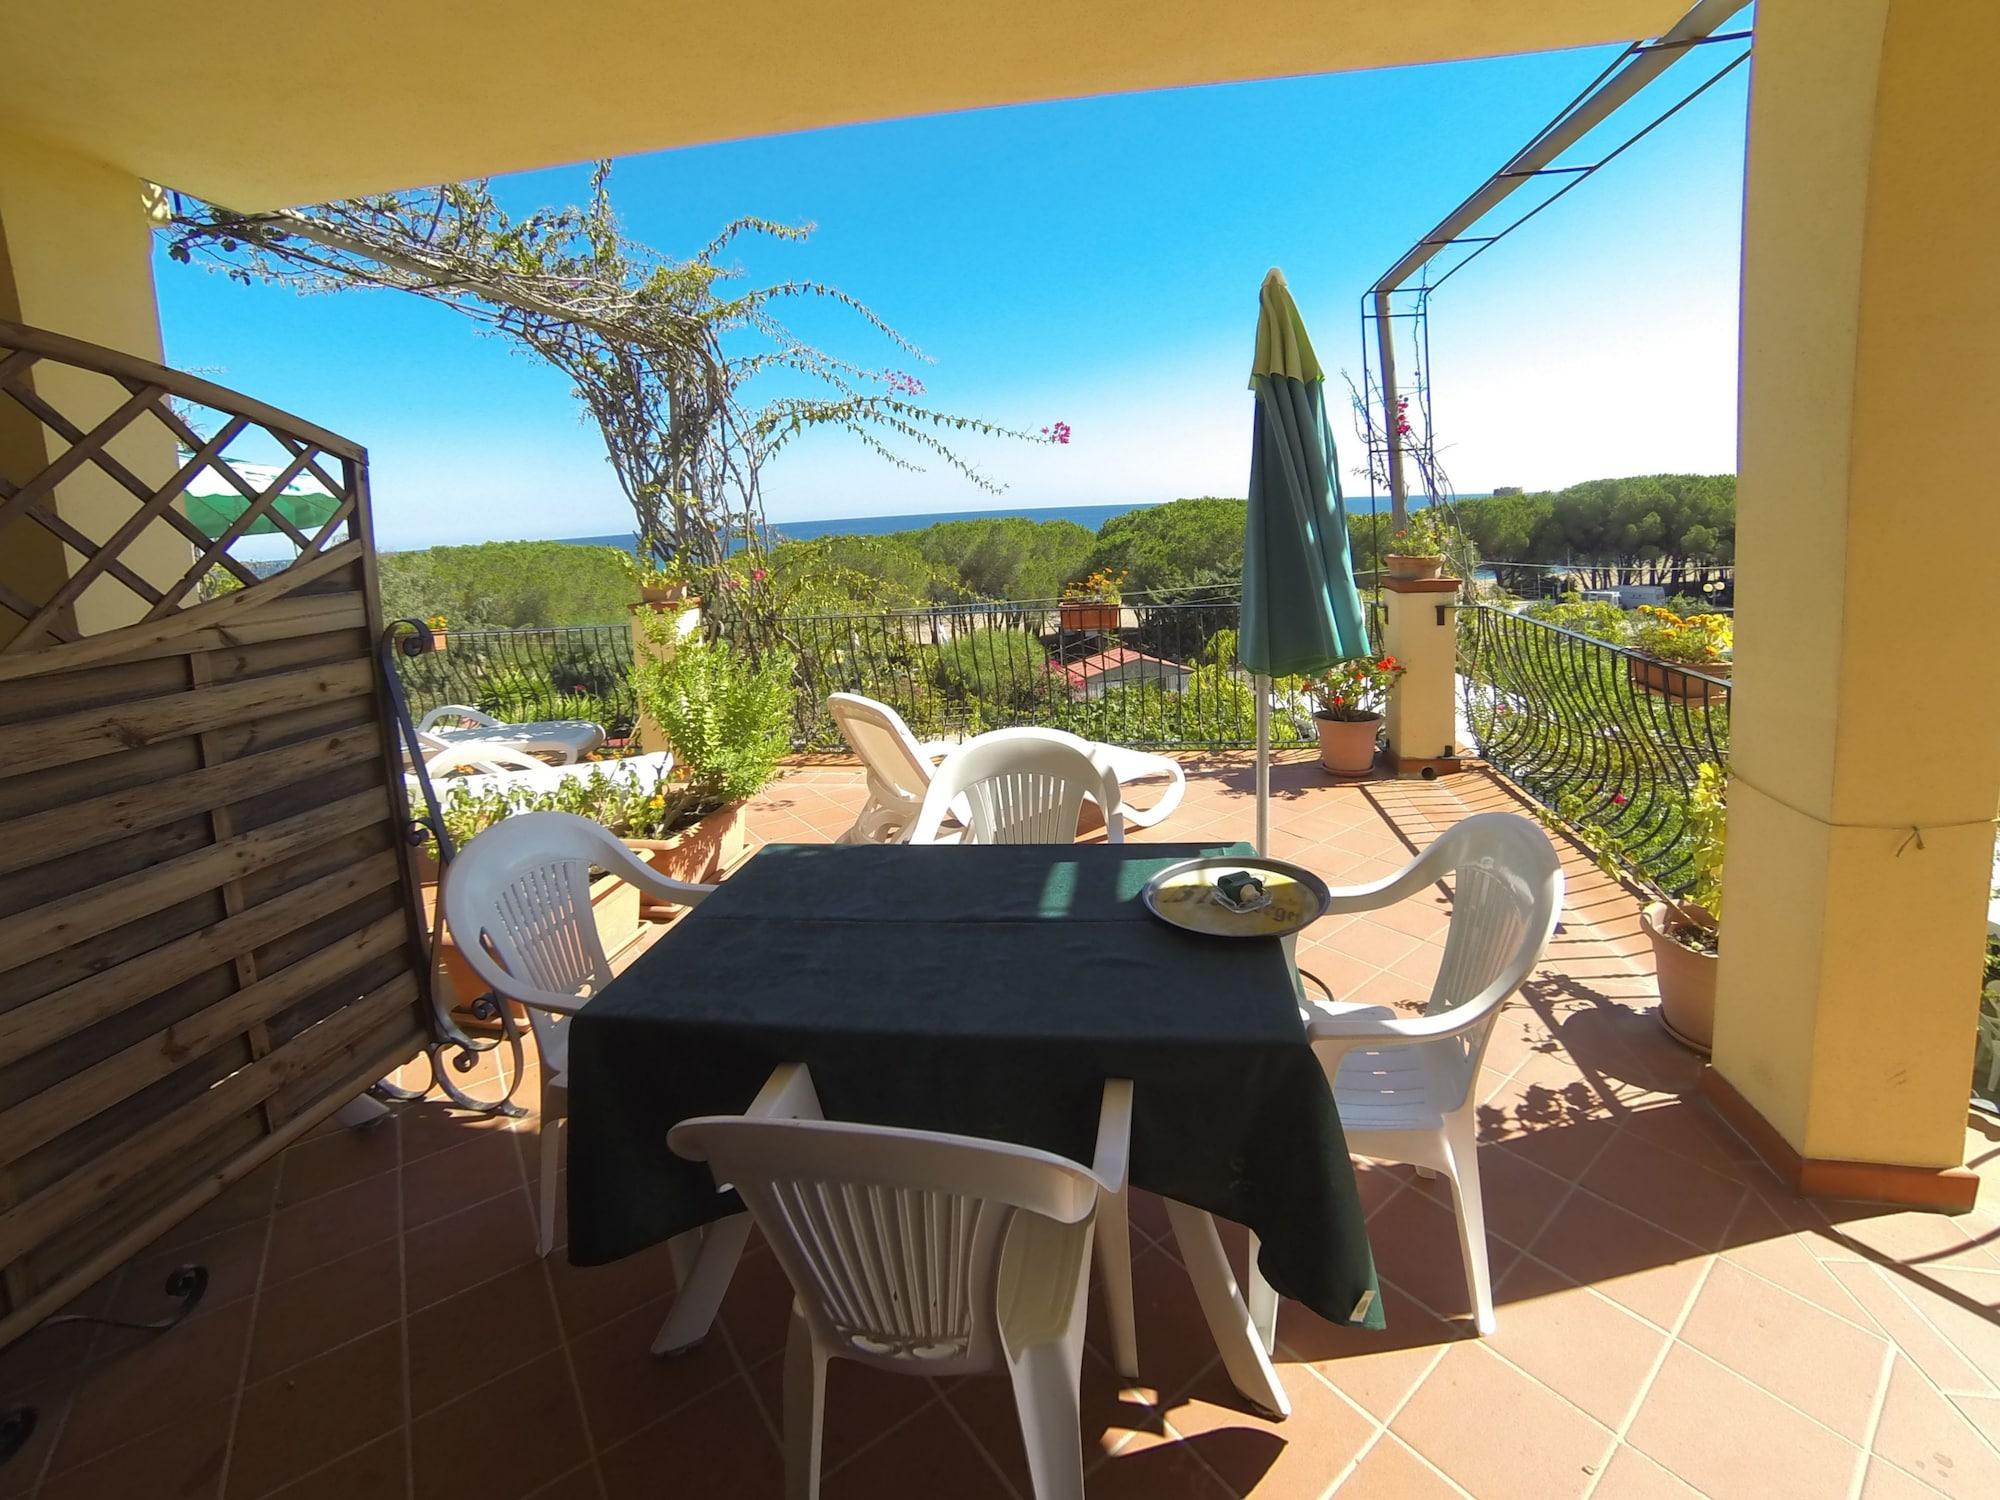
{"x":209,"y":937}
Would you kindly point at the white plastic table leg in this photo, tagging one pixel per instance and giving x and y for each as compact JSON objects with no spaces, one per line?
{"x":1261,"y":1298}
{"x":1236,"y":1337}
{"x":704,"y":1284}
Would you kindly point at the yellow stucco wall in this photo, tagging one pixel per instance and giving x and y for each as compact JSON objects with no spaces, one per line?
{"x":1867,"y":696}
{"x":76,"y":258}
{"x":259,"y":106}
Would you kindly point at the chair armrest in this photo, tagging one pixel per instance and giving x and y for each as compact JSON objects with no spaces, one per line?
{"x":663,"y":887}
{"x":1114,"y":1136}
{"x":458,"y":711}
{"x":788,"y":1094}
{"x":1377,"y":1025}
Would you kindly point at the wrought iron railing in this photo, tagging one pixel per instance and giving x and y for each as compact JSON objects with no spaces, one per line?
{"x":1714,"y":583}
{"x":1137,"y":673}
{"x":546,"y":672}
{"x":1604,"y":737}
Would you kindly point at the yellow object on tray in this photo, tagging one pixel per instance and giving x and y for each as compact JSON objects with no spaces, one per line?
{"x":1188,"y":896}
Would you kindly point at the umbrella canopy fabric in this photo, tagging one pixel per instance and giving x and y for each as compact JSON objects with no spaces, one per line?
{"x":214,"y":504}
{"x":1301,"y":612}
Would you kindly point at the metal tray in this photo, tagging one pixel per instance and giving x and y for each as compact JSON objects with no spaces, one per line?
{"x":1185,"y":895}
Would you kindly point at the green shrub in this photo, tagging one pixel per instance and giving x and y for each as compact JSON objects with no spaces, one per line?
{"x":727,"y":716}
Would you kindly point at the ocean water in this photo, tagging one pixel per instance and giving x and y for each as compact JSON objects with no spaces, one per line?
{"x":1090,"y":517}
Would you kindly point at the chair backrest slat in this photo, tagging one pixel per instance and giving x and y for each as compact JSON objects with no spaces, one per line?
{"x":1018,"y":790}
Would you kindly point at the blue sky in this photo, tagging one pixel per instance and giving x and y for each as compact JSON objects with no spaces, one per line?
{"x":1095,"y":262}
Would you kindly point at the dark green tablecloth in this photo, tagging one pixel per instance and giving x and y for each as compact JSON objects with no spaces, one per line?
{"x":986,"y":991}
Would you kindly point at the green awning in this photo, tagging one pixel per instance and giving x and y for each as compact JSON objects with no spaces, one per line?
{"x":214,"y":504}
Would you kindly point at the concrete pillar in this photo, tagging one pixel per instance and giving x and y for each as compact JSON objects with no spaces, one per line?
{"x":76,"y":258}
{"x":1866,"y":736}
{"x":655,"y":628}
{"x":1420,"y":629}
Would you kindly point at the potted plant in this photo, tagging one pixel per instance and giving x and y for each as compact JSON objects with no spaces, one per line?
{"x":661,"y":585}
{"x":1417,"y":551}
{"x":1674,"y":647}
{"x":436,"y":624}
{"x":728,"y":716}
{"x":1351,"y":696}
{"x":1684,"y":930}
{"x":1092,"y":603}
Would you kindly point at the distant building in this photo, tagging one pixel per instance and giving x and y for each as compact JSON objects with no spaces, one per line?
{"x":1120,"y":666}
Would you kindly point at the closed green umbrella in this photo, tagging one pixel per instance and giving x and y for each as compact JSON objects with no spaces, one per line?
{"x":213,"y":503}
{"x":1301,"y":612}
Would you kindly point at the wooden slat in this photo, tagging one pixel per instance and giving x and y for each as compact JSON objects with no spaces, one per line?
{"x":200,"y":626}
{"x":97,"y":731}
{"x":349,"y":1033}
{"x":83,"y":1270}
{"x":79,"y":453}
{"x":99,"y":996}
{"x":59,"y":831}
{"x":43,"y":929}
{"x":43,"y":1117}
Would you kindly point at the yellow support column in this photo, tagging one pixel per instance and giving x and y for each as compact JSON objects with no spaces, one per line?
{"x":1420,"y":629}
{"x":1866,"y":733}
{"x":76,"y":257}
{"x":651,"y":643}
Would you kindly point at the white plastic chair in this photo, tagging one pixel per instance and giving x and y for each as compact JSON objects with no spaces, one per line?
{"x":924,"y":1254}
{"x":483,"y":743}
{"x":1016,"y":789}
{"x":517,"y":900}
{"x":900,"y":768}
{"x":1403,"y":1085}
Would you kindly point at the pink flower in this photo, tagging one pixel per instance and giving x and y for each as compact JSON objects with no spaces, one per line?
{"x":1618,"y":799}
{"x":757,"y":575}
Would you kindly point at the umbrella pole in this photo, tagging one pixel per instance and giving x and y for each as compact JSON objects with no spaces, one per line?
{"x":1263,"y":688}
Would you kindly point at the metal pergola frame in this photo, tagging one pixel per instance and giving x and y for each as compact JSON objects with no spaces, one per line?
{"x":1616,"y":85}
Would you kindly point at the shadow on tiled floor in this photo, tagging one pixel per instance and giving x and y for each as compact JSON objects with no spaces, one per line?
{"x":1671,"y":1321}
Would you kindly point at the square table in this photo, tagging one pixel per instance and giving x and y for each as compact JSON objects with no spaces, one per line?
{"x":985,"y":991}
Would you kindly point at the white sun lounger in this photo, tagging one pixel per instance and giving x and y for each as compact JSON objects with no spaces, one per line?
{"x":900,"y":769}
{"x":480,"y":742}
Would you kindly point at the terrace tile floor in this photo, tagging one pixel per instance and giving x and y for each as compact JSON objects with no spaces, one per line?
{"x":1672,"y":1322}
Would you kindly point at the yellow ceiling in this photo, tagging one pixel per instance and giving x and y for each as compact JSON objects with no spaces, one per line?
{"x":260,"y":105}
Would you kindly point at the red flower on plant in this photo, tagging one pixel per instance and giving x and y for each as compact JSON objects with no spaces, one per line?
{"x":757,"y":575}
{"x":1618,"y":799}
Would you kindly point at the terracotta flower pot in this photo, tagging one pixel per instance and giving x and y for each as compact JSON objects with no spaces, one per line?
{"x":1088,"y":614}
{"x":1687,"y":979}
{"x":1676,"y":680}
{"x":1399,"y":565}
{"x":1347,"y":746}
{"x":700,"y":854}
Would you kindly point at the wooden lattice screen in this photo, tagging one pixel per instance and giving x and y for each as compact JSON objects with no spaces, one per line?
{"x":207,"y":936}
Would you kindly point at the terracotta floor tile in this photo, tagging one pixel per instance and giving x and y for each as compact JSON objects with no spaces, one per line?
{"x":1690,"y":1128}
{"x":1884,"y":1481}
{"x":381,"y":1468}
{"x":293,"y":1423}
{"x":715,"y":1446}
{"x":1376,"y":1368}
{"x":1827,"y":1368}
{"x":1760,"y":1242}
{"x":1390,"y":1471}
{"x":234,"y":1258}
{"x":182,"y":1459}
{"x":484,"y":1166}
{"x":1923,"y":1434}
{"x":580,"y":1483}
{"x":1577,"y":1343}
{"x":1157,"y":1471}
{"x":1876,"y":1291}
{"x":340,"y":1158}
{"x":1468,"y":1416}
{"x":1174,"y":1341}
{"x":433,"y":1125}
{"x":325,"y":1228}
{"x":1632,"y":1476}
{"x":1115,"y":1415}
{"x":1933,"y":1241}
{"x":1665,"y":1189}
{"x":477,"y":1244}
{"x":1983,"y":1412}
{"x":757,"y":1310}
{"x":1298,"y":1457}
{"x":931,"y":1449}
{"x":1519,"y":1196}
{"x":245,"y":1202}
{"x":156,"y":1383}
{"x":1372,"y":943}
{"x":544,"y":1427}
{"x":1415,"y":1239}
{"x":484,"y":1331}
{"x":1643,"y":1269}
{"x":863,"y":1405}
{"x":1965,"y":1307}
{"x":1725,"y":1436}
{"x":308,"y":1315}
